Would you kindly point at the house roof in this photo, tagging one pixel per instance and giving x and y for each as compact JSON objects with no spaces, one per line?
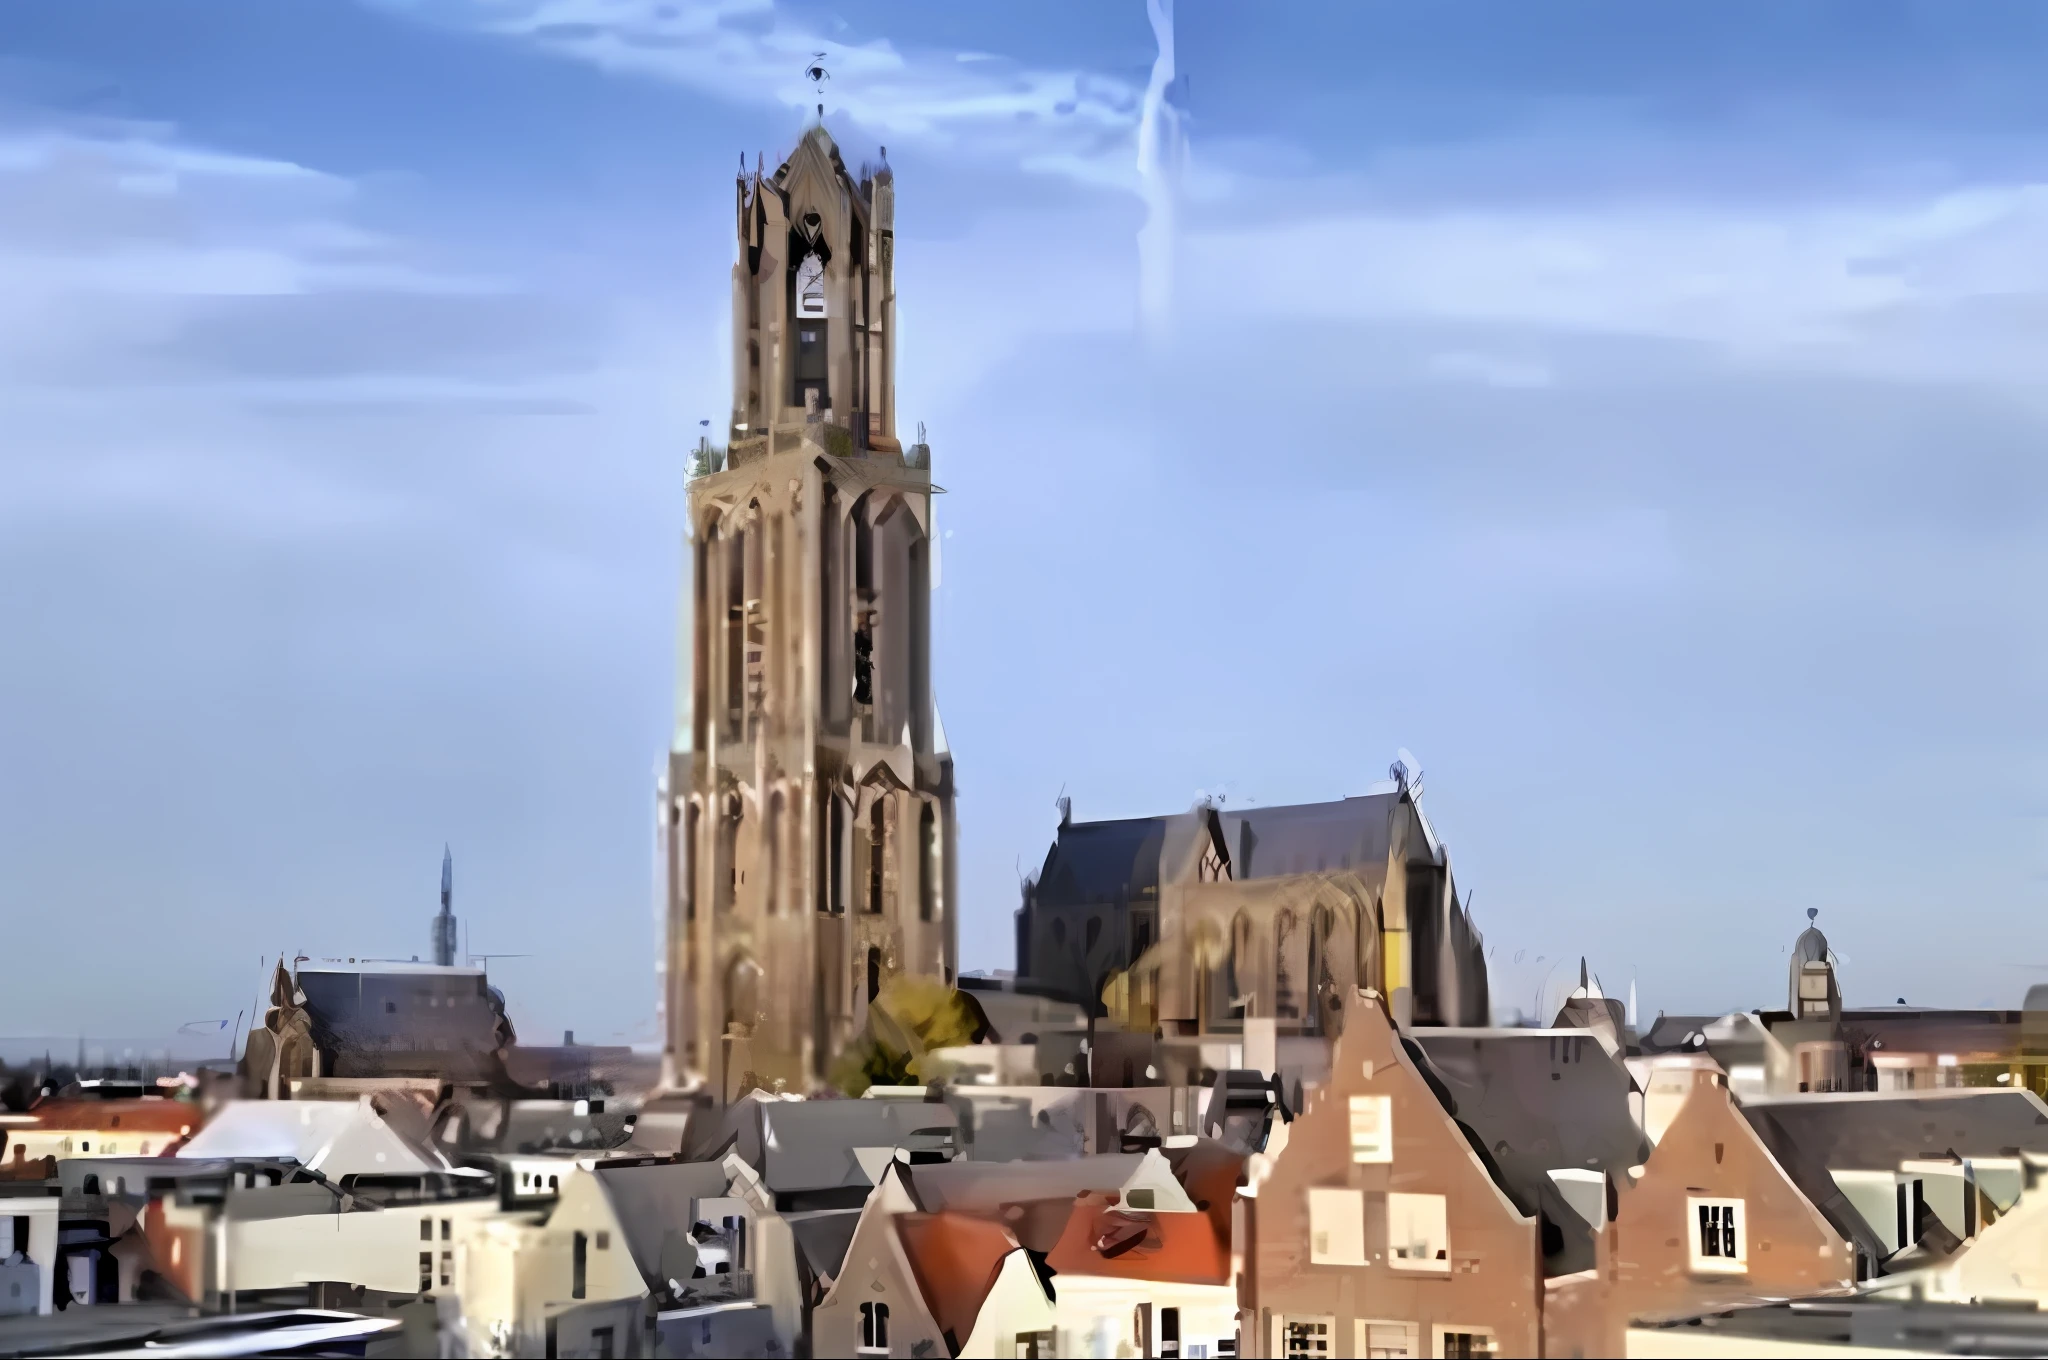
{"x":172,"y":1117}
{"x":1105,"y":1240}
{"x":821,"y":1144}
{"x":1813,"y":1136}
{"x":1877,"y":1130}
{"x":955,"y":1259}
{"x":336,"y":1138}
{"x":822,"y":1239}
{"x":1538,"y":1101}
{"x":1210,"y":1171}
{"x":1310,"y":838}
{"x":1555,"y":1097}
{"x":654,"y":1201}
{"x":1035,"y":1199}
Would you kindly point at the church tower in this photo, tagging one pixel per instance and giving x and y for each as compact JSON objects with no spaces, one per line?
{"x":807,"y":812}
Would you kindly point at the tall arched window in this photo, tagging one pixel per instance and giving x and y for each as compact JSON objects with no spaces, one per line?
{"x":840,"y":835}
{"x":833,"y":605}
{"x":1237,"y":967}
{"x":732,"y":702}
{"x":742,"y":996}
{"x":878,"y":847}
{"x":1286,"y":1005}
{"x":874,"y":972}
{"x":1322,"y":991}
{"x":927,"y":863}
{"x":728,"y":866}
{"x":691,"y":831}
{"x":771,"y":894}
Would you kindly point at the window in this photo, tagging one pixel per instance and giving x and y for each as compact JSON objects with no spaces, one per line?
{"x":426,"y":1230}
{"x":1418,"y":1236}
{"x":1463,"y":1342}
{"x":426,"y":1271}
{"x":604,"y":1241}
{"x":1386,"y":1340}
{"x":1336,"y":1227}
{"x":1717,"y":1243}
{"x":391,"y":1008}
{"x":1169,"y":1333}
{"x":878,"y":852}
{"x":1301,"y":1337}
{"x":1140,"y":1199}
{"x":874,"y":1329}
{"x":1372,"y":1128}
{"x":601,"y":1343}
{"x":447,"y":1229}
{"x":579,"y":1266}
{"x":447,"y":1269}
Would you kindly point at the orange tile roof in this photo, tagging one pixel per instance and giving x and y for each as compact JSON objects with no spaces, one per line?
{"x":113,"y":1117}
{"x":1177,"y":1248}
{"x":956,"y":1258}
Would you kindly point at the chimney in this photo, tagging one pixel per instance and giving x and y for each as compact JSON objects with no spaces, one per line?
{"x":568,"y":1038}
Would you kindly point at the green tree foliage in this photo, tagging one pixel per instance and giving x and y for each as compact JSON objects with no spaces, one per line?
{"x":911,"y":1017}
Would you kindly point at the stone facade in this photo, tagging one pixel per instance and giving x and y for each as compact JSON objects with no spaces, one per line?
{"x":807,"y":810}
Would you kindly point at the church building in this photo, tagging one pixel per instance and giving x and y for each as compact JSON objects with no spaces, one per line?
{"x":1214,"y":922}
{"x":806,"y":815}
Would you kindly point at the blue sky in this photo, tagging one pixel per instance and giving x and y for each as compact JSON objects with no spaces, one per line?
{"x":1633,"y":411}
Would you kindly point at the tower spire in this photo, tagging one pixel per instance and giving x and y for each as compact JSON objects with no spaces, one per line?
{"x":444,"y":924}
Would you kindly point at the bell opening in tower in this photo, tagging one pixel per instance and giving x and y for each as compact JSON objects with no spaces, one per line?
{"x":807,"y":289}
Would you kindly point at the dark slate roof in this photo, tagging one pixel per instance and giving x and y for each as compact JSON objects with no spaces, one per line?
{"x":1815,"y":1135}
{"x":822,"y":1239}
{"x":1876,"y":1130}
{"x":800,"y":1145}
{"x":1095,"y":862}
{"x":1541,"y":1101}
{"x":1310,"y":838}
{"x":656,"y":1202}
{"x":1908,"y":1030}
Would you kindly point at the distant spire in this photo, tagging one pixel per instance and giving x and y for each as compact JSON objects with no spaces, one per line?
{"x":444,"y":924}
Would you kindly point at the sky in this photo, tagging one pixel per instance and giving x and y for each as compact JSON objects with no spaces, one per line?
{"x":1633,"y":411}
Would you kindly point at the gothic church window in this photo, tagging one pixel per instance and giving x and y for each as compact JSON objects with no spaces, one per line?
{"x":878,"y":845}
{"x":927,"y":862}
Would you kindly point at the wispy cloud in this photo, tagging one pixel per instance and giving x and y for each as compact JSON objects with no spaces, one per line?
{"x":1950,"y":286}
{"x":1075,"y":121}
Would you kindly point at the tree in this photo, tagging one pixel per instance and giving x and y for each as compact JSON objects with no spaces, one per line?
{"x":911,"y":1017}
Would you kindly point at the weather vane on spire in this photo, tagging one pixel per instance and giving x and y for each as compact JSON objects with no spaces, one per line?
{"x":818,"y":75}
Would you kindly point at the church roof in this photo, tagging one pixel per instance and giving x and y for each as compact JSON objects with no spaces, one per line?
{"x":1103,"y":862}
{"x":1310,"y":838}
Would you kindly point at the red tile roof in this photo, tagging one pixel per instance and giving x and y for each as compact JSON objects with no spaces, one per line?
{"x":1177,"y":1248}
{"x":956,"y":1258}
{"x":114,"y":1117}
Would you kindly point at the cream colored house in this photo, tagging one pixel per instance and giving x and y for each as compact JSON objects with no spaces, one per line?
{"x":516,"y":1277}
{"x":945,"y":1283}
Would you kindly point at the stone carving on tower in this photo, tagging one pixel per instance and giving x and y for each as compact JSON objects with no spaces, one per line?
{"x":806,"y":815}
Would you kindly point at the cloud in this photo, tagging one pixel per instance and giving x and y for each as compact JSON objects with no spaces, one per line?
{"x":1951,"y":286}
{"x":1074,"y":122}
{"x":1493,"y":370}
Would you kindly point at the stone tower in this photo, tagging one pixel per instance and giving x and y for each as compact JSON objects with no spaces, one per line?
{"x":807,"y":811}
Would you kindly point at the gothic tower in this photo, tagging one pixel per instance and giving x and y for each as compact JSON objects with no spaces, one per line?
{"x":807,"y":813}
